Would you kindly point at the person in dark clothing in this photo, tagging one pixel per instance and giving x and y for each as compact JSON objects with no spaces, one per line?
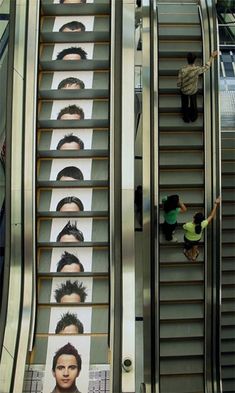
{"x":138,"y":203}
{"x":172,"y":207}
{"x":188,"y":84}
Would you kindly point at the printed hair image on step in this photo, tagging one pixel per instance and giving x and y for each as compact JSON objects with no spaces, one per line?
{"x":70,"y":292}
{"x":73,"y":26}
{"x":70,"y":173}
{"x":70,"y":142}
{"x":71,"y":112}
{"x":69,"y":324}
{"x":73,"y":53}
{"x":70,"y":233}
{"x":71,"y":83}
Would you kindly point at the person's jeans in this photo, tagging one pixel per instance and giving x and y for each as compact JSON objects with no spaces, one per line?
{"x":168,"y":229}
{"x":189,"y":107}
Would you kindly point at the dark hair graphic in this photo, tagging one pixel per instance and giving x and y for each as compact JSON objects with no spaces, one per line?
{"x":71,"y":110}
{"x":71,"y":81}
{"x":73,"y":50}
{"x":71,"y":229}
{"x":70,"y":171}
{"x":68,"y":319}
{"x":74,"y":25}
{"x":68,"y":139}
{"x":68,"y":259}
{"x":68,"y":288}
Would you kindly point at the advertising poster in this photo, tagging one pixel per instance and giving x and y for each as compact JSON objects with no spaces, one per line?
{"x":76,"y":356}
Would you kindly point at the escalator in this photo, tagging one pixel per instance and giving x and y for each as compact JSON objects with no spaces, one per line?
{"x":72,"y":193}
{"x":227,"y":268}
{"x":183,"y":325}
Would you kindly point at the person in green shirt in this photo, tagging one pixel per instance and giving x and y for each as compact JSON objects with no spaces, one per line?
{"x":172,"y":207}
{"x":193,"y":232}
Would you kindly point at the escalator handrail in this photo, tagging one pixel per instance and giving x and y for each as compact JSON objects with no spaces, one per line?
{"x":212,"y":189}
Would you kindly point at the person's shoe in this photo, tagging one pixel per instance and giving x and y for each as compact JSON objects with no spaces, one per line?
{"x":186,"y":120}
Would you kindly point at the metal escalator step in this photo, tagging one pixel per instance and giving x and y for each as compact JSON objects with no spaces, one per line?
{"x":168,"y":7}
{"x":181,"y":347}
{"x":228,"y":278}
{"x":228,"y":209}
{"x":228,"y":194}
{"x":182,"y":32}
{"x":174,"y":122}
{"x":178,"y":48}
{"x":228,"y":359}
{"x":227,"y":143}
{"x":228,"y":265}
{"x":192,"y":383}
{"x":182,"y":177}
{"x":88,"y":36}
{"x":176,"y":256}
{"x":228,"y":291}
{"x":228,"y":373}
{"x":172,"y":103}
{"x":180,"y":329}
{"x":181,"y":273}
{"x":228,"y":332}
{"x":181,"y":140}
{"x":228,"y":346}
{"x":228,"y":223}
{"x":228,"y":154}
{"x":228,"y":308}
{"x":70,"y":65}
{"x":181,"y":159}
{"x":184,"y":310}
{"x":188,"y":364}
{"x":182,"y":291}
{"x":228,"y":236}
{"x":228,"y":180}
{"x":227,"y":315}
{"x":101,"y":8}
{"x":179,"y":18}
{"x":228,"y":250}
{"x":66,"y":94}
